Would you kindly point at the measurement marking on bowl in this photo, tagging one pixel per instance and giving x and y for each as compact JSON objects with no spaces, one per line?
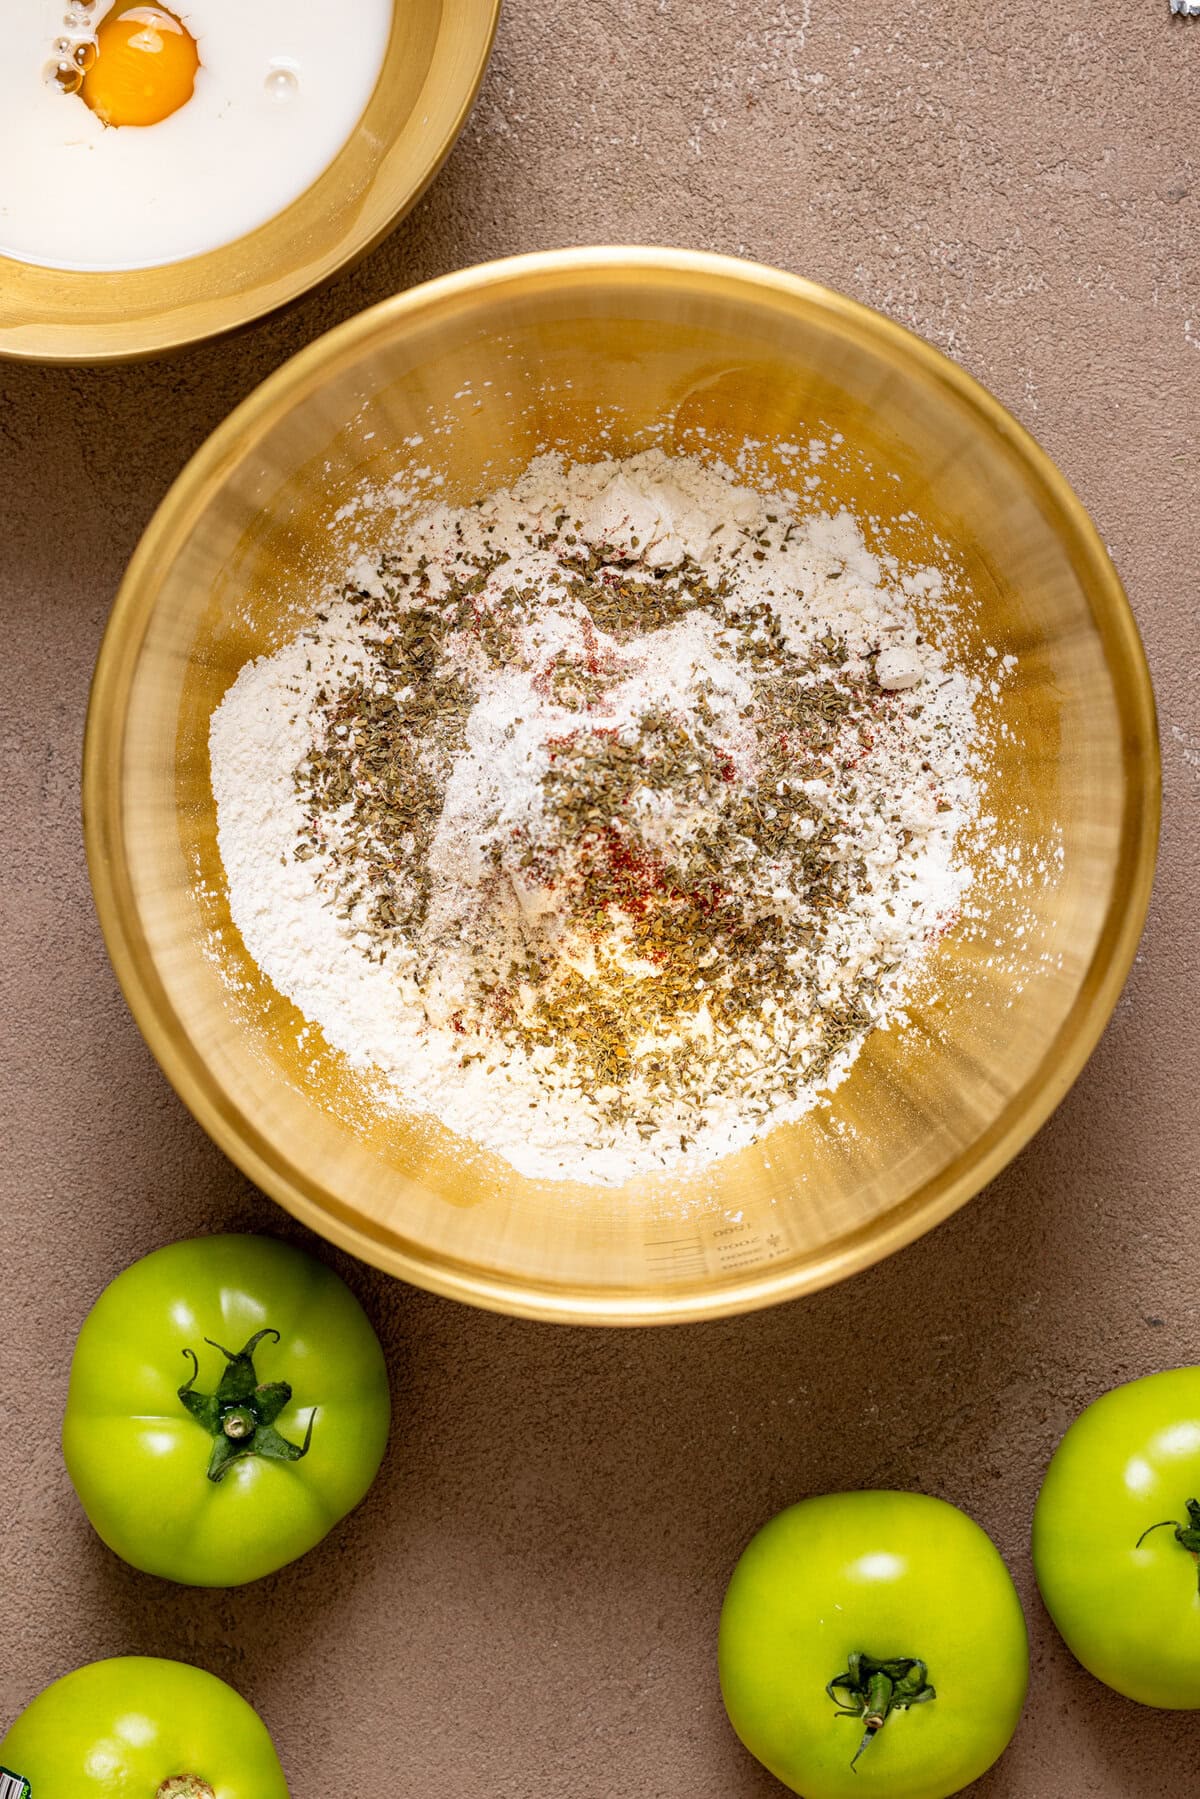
{"x":676,"y":1255}
{"x":741,"y":1245}
{"x":747,"y":1254}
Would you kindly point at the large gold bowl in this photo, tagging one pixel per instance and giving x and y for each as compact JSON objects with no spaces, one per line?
{"x":435,"y":59}
{"x":607,"y":351}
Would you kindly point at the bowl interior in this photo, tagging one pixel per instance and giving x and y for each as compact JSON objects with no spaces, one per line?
{"x":434,"y":63}
{"x":450,"y":391}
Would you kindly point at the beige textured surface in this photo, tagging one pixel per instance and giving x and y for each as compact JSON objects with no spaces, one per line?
{"x":526,"y":1604}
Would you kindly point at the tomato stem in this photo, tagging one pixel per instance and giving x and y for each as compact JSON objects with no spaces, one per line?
{"x":872,"y":1690}
{"x":1186,"y":1535}
{"x":239,"y":1423}
{"x":240,"y":1418}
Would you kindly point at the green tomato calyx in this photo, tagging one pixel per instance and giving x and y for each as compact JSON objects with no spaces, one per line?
{"x":873,"y":1690}
{"x":1186,"y":1535}
{"x":185,"y":1786}
{"x":240,"y":1418}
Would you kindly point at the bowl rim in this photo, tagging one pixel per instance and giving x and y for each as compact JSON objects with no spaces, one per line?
{"x":237,"y":1136}
{"x":116,"y":339}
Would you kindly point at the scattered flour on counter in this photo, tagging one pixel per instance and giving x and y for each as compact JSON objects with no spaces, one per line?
{"x":606,"y":818}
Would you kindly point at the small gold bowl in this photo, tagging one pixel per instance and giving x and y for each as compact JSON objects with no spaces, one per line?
{"x":596,"y":352}
{"x":436,"y":56}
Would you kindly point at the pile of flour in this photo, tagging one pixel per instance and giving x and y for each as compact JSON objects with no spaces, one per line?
{"x":547,"y":682}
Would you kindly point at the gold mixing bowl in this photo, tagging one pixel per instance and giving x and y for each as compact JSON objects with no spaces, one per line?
{"x":608,"y":351}
{"x":436,"y":56}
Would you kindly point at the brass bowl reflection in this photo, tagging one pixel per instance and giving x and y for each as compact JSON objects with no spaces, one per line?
{"x":435,"y":60}
{"x":595,"y":351}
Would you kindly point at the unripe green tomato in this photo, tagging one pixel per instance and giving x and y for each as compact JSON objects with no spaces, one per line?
{"x":873,"y":1643}
{"x":138,"y":1728}
{"x":228,"y":1406}
{"x":1116,"y":1539}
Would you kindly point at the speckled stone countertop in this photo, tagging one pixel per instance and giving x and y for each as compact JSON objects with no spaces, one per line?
{"x":530,"y":1611}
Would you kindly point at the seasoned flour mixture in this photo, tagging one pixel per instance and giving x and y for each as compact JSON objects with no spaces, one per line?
{"x":603,"y":819}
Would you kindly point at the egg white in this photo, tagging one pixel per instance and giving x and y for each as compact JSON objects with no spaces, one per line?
{"x":76,"y":194}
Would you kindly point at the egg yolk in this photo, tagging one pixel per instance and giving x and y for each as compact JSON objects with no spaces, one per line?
{"x":145,"y":67}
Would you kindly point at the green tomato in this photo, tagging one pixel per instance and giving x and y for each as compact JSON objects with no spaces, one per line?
{"x":1116,"y":1539}
{"x":873,"y":1643}
{"x":136,"y":1728}
{"x":228,"y":1406}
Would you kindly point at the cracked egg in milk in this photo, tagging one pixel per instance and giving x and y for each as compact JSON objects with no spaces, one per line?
{"x":134,"y":134}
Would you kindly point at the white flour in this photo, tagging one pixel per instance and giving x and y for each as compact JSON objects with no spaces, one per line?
{"x":524,"y":892}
